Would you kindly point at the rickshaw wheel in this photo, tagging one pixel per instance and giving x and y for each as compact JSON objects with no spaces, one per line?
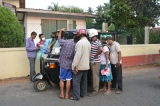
{"x":40,"y":85}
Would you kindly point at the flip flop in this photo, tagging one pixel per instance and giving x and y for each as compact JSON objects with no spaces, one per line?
{"x":118,"y":92}
{"x":66,"y":97}
{"x":61,"y":96}
{"x":72,"y":98}
{"x":107,"y":93}
{"x":102,"y":90}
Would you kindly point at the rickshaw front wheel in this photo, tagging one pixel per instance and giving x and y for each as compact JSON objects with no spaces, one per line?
{"x":40,"y":85}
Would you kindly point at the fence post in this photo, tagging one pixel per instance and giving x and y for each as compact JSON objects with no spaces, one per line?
{"x":146,"y":35}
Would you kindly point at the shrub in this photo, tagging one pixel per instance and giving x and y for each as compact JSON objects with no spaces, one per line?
{"x":11,"y":31}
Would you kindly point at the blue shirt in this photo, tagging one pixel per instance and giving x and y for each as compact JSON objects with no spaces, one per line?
{"x":30,"y":48}
{"x":44,"y":46}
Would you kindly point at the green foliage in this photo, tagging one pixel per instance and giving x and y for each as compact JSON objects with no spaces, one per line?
{"x":103,"y":16}
{"x":135,"y":13}
{"x":111,"y":27}
{"x":54,"y":7}
{"x":11,"y":31}
{"x":147,"y":12}
{"x":122,"y":14}
{"x":154,"y":38}
{"x":72,"y":9}
{"x":89,"y":21}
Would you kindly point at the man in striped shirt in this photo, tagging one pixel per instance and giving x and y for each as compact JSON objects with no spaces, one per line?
{"x":95,"y":59}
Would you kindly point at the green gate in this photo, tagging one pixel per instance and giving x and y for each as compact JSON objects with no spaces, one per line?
{"x":49,"y":26}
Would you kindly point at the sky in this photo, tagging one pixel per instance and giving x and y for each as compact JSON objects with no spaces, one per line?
{"x":84,"y":4}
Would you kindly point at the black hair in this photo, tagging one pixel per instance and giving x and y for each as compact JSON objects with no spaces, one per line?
{"x":109,"y":38}
{"x":33,"y":33}
{"x":40,"y":35}
{"x":76,"y":39}
{"x":68,"y":35}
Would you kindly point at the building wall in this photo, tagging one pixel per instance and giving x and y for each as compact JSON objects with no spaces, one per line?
{"x":33,"y":22}
{"x":13,"y":2}
{"x":14,"y":61}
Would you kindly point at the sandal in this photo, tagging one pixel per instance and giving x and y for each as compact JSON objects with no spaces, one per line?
{"x":102,"y":90}
{"x":61,"y":96}
{"x":107,"y":93}
{"x":118,"y":92}
{"x":72,"y":98}
{"x":66,"y":97}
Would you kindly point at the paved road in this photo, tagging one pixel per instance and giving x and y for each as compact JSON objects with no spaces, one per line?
{"x":141,"y":88}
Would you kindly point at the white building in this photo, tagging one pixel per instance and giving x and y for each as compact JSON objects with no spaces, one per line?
{"x":47,"y":21}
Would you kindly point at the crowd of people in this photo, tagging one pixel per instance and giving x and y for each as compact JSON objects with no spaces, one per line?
{"x":77,"y":57}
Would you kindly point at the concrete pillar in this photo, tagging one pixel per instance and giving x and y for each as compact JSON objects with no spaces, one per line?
{"x":146,"y":41}
{"x":69,"y":24}
{"x":104,"y":26}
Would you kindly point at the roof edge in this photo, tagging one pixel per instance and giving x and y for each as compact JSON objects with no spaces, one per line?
{"x":30,"y":10}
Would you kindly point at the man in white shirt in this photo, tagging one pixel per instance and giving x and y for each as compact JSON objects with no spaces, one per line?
{"x":116,"y":64}
{"x":80,"y":65}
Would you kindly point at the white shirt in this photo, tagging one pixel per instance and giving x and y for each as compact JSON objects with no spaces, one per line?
{"x":82,"y":55}
{"x":115,"y":48}
{"x":103,"y":57}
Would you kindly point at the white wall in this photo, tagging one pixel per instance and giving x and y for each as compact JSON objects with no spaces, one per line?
{"x":33,"y":22}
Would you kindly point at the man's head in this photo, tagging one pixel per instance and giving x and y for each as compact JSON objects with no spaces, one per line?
{"x":69,"y":35}
{"x":93,"y":33}
{"x":41,"y":37}
{"x":81,"y":33}
{"x":109,"y":40}
{"x":33,"y":35}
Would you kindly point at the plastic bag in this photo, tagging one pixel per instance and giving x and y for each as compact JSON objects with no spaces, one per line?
{"x":39,"y":55}
{"x":106,"y":72}
{"x":56,"y":48}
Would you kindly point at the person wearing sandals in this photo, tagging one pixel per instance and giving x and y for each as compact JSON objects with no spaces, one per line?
{"x":116,"y":64}
{"x":105,"y":66}
{"x":95,"y":60}
{"x":80,"y":65}
{"x":65,"y":60}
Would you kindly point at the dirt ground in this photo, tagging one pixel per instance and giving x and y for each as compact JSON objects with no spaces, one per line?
{"x":26,"y":79}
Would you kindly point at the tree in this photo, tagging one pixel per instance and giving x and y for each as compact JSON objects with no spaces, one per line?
{"x":147,"y":12}
{"x":73,"y":9}
{"x":90,"y":21}
{"x":135,"y":13}
{"x":121,"y":14}
{"x":11,"y":31}
{"x":54,"y":7}
{"x":103,"y":16}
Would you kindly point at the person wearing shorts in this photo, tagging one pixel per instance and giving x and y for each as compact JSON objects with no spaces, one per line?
{"x":65,"y":60}
{"x":65,"y":74}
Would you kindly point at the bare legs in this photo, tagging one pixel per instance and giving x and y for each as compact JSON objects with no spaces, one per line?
{"x":109,"y":88}
{"x":68,"y":85}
